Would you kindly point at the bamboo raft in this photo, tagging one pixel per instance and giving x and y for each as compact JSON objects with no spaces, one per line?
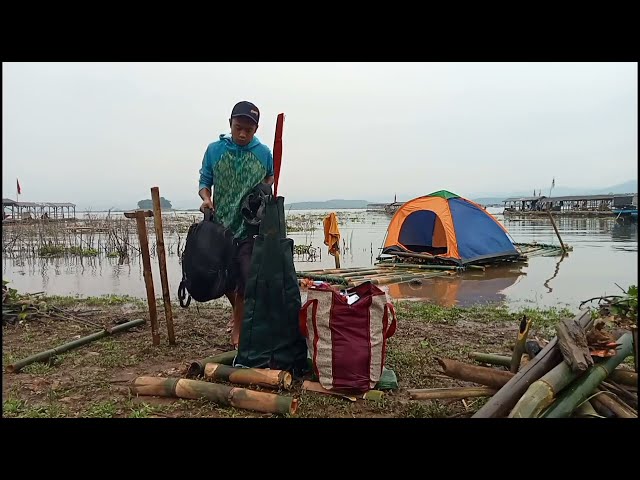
{"x":399,"y":270}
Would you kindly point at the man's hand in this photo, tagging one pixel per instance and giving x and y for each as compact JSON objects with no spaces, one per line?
{"x":207,"y":203}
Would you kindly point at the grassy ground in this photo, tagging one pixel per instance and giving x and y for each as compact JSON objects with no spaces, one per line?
{"x":90,"y":381}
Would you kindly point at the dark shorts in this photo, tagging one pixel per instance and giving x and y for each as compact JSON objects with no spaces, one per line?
{"x":242,"y":263}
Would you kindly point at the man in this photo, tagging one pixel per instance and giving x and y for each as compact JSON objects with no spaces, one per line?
{"x":233,"y":166}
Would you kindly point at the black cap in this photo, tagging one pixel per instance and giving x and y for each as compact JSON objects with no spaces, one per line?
{"x":246,"y":109}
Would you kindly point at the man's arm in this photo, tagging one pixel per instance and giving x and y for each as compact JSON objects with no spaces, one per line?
{"x":206,"y":183}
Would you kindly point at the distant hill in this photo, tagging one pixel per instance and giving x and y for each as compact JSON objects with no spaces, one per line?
{"x":327,"y":205}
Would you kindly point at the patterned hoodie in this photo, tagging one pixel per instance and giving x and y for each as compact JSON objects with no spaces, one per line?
{"x":233,"y":171}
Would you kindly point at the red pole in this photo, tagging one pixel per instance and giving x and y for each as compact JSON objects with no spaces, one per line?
{"x":277,"y":152}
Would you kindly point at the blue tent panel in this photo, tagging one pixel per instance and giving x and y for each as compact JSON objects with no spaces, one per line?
{"x":417,"y":228}
{"x":477,"y":232}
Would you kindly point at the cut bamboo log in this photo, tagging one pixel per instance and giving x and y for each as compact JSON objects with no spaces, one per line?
{"x":629,"y":398}
{"x":505,"y":399}
{"x":248,"y":376}
{"x":581,"y":388}
{"x":543,"y":391}
{"x":489,"y":377}
{"x":518,"y":349}
{"x":572,"y":342}
{"x":45,"y":356}
{"x":196,"y":369}
{"x":219,"y":394}
{"x":616,"y":405}
{"x":600,"y":407}
{"x":625,"y":377}
{"x":454,"y":392}
{"x":316,"y":387}
{"x":585,"y":410}
{"x":162,"y":263}
{"x":491,"y":358}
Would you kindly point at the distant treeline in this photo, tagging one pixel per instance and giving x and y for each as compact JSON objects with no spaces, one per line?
{"x":148,"y":204}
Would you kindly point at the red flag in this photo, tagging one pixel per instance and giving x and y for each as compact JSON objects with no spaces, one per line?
{"x":277,"y":152}
{"x":19,"y":189}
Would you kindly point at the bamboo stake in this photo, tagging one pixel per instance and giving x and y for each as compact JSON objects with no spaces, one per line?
{"x":455,"y":392}
{"x":505,"y":399}
{"x":580,"y":389}
{"x":46,"y":355}
{"x":140,"y":215}
{"x":162,"y":263}
{"x":491,"y":358}
{"x":518,"y":349}
{"x":220,"y":394}
{"x":196,"y":369}
{"x":248,"y":376}
{"x":489,"y":377}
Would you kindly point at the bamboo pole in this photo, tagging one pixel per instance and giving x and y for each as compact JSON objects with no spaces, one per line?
{"x":553,"y":222}
{"x":489,"y":377}
{"x":44,"y":356}
{"x":196,"y":369}
{"x":455,"y":392}
{"x":162,"y":263}
{"x":248,"y":376}
{"x":505,"y":399}
{"x":140,"y":216}
{"x":518,"y":349}
{"x":580,"y":389}
{"x":491,"y":358}
{"x":386,"y":280}
{"x":220,"y":394}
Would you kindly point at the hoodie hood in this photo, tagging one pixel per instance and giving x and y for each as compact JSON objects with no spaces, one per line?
{"x":228,"y":140}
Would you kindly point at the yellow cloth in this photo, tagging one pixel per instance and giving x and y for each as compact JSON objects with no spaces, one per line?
{"x":331,"y":233}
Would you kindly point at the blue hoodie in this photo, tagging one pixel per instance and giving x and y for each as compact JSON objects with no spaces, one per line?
{"x":233,"y":171}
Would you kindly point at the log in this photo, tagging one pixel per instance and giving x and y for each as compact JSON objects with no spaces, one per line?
{"x":46,"y":355}
{"x":580,"y":389}
{"x":572,"y":342}
{"x":454,"y":392}
{"x":219,"y":394}
{"x":489,"y":377}
{"x":601,"y":408}
{"x":248,"y":376}
{"x":491,"y":358}
{"x":505,"y":399}
{"x":629,"y":398}
{"x":518,"y":349}
{"x":196,"y":369}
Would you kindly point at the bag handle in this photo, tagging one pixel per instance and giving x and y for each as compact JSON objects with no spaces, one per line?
{"x":182,"y":294}
{"x":208,"y":214}
{"x":390,"y":329}
{"x":302,"y":318}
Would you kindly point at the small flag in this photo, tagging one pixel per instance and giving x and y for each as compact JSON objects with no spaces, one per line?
{"x":18,"y":185}
{"x":553,"y":182}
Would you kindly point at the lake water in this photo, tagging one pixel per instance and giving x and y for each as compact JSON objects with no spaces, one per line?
{"x":605,"y":253}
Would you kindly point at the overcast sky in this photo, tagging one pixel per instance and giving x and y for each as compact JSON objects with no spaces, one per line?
{"x":102,"y":134}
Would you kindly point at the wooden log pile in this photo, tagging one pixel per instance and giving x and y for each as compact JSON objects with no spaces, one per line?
{"x":571,"y":376}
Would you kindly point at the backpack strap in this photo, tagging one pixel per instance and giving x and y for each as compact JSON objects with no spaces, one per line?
{"x":182,"y":289}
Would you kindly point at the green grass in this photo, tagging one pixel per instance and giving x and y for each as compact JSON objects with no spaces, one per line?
{"x":103,"y":300}
{"x":104,"y":409}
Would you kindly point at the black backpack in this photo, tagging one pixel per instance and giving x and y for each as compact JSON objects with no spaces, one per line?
{"x":206,"y":261}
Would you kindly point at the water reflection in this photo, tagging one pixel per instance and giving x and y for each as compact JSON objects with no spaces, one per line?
{"x":466,"y":289}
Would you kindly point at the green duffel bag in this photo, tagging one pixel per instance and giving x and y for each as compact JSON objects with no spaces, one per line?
{"x":270,"y":336}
